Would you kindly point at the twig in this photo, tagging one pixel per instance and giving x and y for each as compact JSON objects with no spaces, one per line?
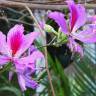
{"x":49,"y":44}
{"x":46,"y":62}
{"x":19,"y":21}
{"x":38,"y":2}
{"x":35,"y":21}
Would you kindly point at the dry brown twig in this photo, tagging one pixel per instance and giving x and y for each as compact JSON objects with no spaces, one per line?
{"x":46,"y":62}
{"x":38,"y":2}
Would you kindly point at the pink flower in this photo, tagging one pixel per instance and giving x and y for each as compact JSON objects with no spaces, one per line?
{"x":13,"y":48}
{"x":76,"y":21}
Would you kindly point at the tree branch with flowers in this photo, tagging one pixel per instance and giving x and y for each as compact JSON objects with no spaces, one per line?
{"x":19,"y":54}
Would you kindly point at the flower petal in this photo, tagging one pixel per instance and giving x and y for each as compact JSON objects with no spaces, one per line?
{"x":33,"y":57}
{"x":30,"y":60}
{"x":28,"y":40}
{"x":20,"y":66}
{"x":60,"y":20}
{"x":78,"y":49}
{"x":31,"y":83}
{"x":3,"y":45}
{"x":15,"y":38}
{"x":92,"y":19}
{"x":4,"y":60}
{"x":87,"y":36}
{"x":77,"y":19}
{"x":21,"y":81}
{"x":75,"y":47}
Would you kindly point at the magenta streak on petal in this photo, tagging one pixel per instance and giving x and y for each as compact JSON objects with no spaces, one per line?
{"x":27,"y":41}
{"x":74,"y":17}
{"x":74,"y":13}
{"x":16,"y":41}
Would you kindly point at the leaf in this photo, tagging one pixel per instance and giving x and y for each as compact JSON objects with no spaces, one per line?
{"x":12,"y":89}
{"x":84,"y":82}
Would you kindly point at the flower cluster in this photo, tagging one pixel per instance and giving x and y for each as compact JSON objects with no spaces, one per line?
{"x":17,"y":49}
{"x":72,"y":30}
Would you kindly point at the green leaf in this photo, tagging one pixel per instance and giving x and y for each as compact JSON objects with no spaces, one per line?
{"x":12,"y":89}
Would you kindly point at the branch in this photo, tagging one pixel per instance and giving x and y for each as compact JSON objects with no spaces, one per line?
{"x":5,"y":3}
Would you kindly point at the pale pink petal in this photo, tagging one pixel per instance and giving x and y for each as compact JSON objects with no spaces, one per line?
{"x":60,"y":20}
{"x":78,"y":15}
{"x":28,"y":40}
{"x":10,"y":75}
{"x":70,"y":44}
{"x":86,"y":36}
{"x":92,"y":19}
{"x":3,"y":45}
{"x":15,"y":38}
{"x":4,"y":60}
{"x":42,"y":24}
{"x":21,"y":81}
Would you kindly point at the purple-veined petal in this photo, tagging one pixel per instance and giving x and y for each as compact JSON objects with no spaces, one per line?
{"x":21,"y":81}
{"x":33,"y":57}
{"x":30,"y":60}
{"x":28,"y":71}
{"x":87,"y":36}
{"x":4,"y":60}
{"x":20,"y":66}
{"x":31,"y":83}
{"x":78,"y":15}
{"x":32,"y":49}
{"x":15,"y":38}
{"x":24,"y":66}
{"x":78,"y":49}
{"x":75,"y":47}
{"x":60,"y":20}
{"x":28,"y":40}
{"x":24,"y":63}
